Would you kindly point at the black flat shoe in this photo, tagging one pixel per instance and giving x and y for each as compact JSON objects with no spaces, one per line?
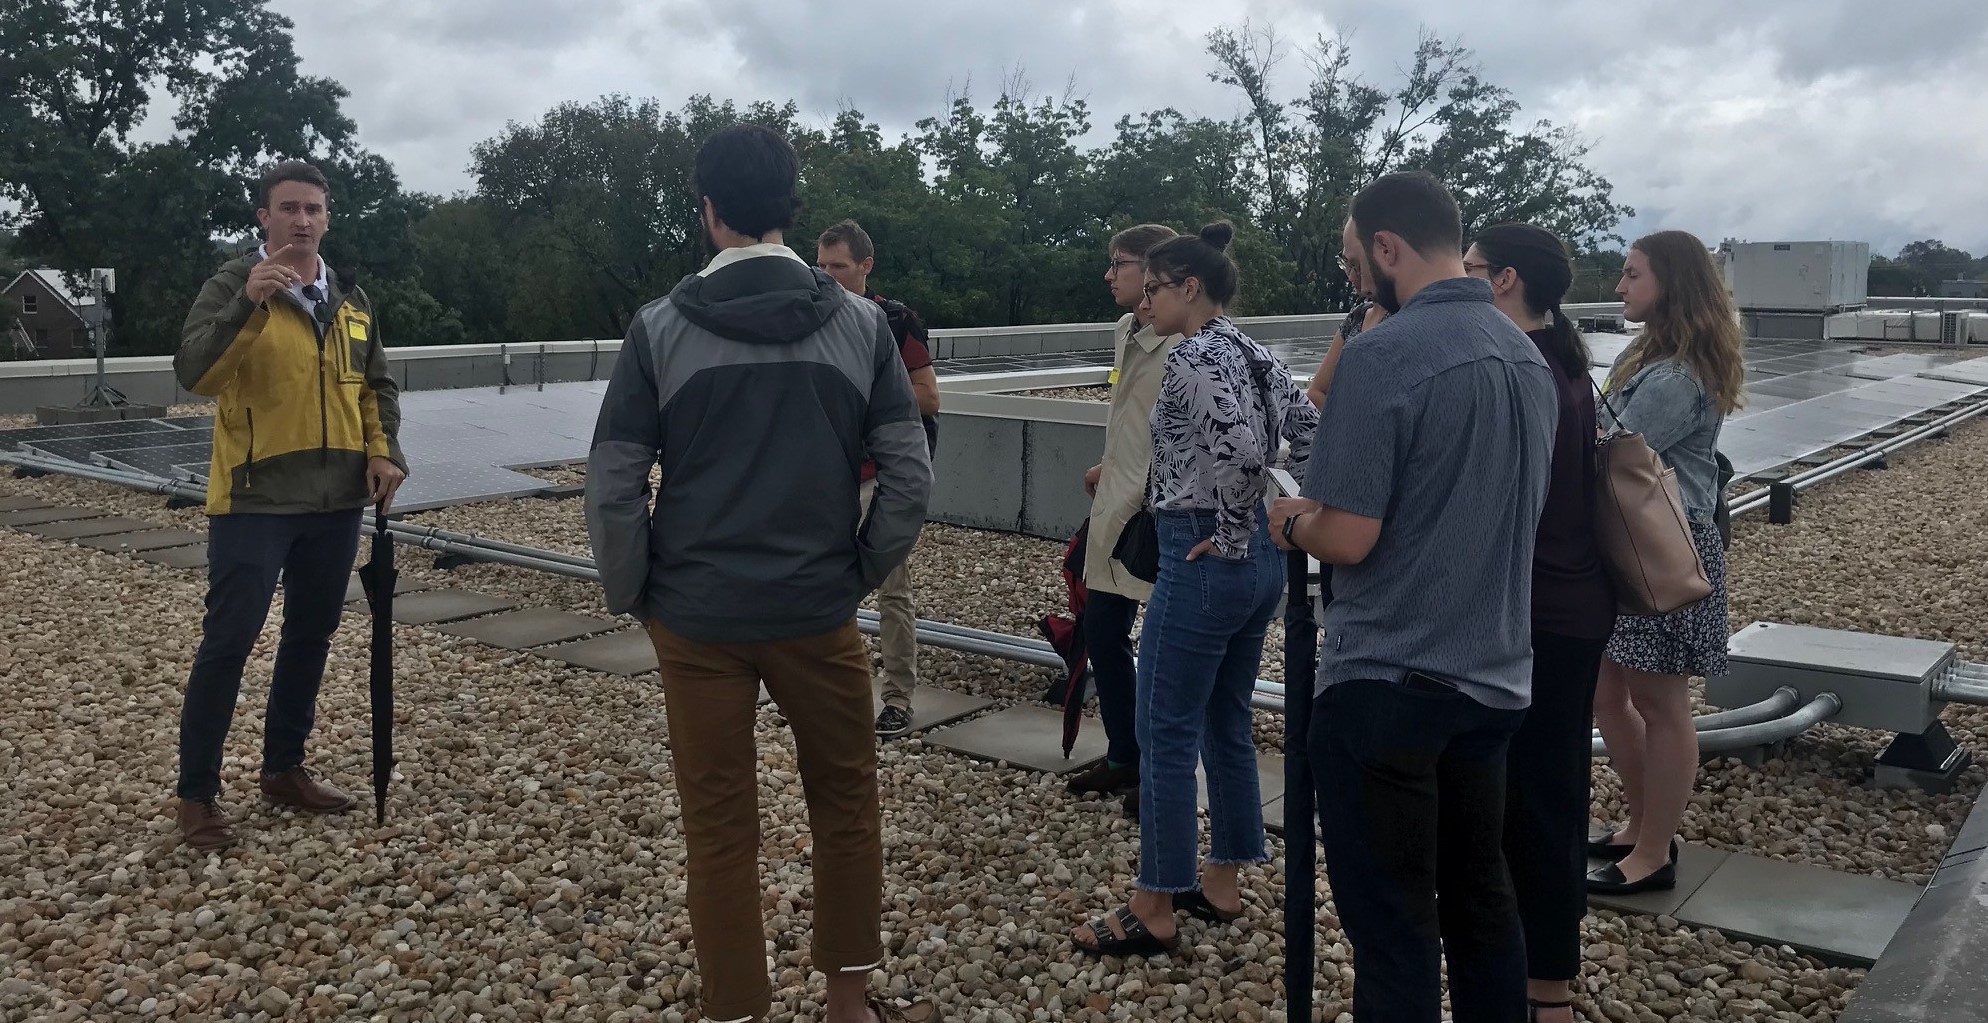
{"x":1605,"y":848}
{"x":1609,"y":880}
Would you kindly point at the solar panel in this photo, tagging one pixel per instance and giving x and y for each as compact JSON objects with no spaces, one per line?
{"x":1905,"y":364}
{"x":80,"y":450}
{"x":436,"y":485}
{"x":162,"y":461}
{"x":11,"y":439}
{"x":1973,"y":371}
{"x":1810,"y":384}
{"x":1778,"y":436}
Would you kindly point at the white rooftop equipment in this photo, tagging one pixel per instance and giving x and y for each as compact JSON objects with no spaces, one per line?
{"x":1799,"y":277}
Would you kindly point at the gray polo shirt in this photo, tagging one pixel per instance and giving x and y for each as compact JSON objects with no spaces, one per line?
{"x":1440,"y":424}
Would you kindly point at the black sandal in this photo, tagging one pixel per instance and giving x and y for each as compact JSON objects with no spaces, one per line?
{"x":1138,"y":941}
{"x":1195,"y":904}
{"x":1533,"y":1005}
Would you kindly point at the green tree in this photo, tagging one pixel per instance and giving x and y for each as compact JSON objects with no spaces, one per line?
{"x":1315,"y":152}
{"x":595,"y":201}
{"x":1933,"y":261}
{"x":1164,"y":167}
{"x":1019,"y":188}
{"x":85,"y":194}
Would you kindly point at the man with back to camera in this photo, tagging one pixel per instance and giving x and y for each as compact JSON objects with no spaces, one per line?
{"x":1424,"y":493}
{"x":846,"y":253}
{"x":761,"y":386}
{"x":1117,"y":488}
{"x":306,"y":429}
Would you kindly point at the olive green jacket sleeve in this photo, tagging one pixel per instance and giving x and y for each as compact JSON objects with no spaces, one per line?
{"x":219,"y":330}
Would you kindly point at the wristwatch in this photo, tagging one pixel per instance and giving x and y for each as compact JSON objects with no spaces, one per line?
{"x":1290,"y":524}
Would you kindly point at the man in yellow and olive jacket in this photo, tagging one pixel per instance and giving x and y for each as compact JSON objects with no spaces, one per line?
{"x":305,"y":438}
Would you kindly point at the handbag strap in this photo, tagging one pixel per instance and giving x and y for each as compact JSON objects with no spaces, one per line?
{"x":1603,"y":395}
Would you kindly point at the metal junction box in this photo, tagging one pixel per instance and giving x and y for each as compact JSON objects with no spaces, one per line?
{"x":1884,"y":682}
{"x":1806,"y":277}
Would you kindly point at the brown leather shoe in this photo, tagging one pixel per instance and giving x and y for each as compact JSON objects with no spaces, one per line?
{"x":297,"y":787}
{"x":202,"y":825}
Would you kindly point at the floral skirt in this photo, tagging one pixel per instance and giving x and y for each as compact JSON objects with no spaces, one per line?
{"x":1690,"y":641}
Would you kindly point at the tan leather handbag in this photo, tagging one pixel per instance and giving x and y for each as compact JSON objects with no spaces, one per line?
{"x":1640,"y":528}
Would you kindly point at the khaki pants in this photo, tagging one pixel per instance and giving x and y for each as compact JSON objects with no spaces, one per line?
{"x":898,"y":630}
{"x":822,"y":686}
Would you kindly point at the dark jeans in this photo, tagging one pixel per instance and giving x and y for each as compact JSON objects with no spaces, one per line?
{"x":1546,"y":803}
{"x":1411,"y":797}
{"x":1108,"y":621}
{"x":246,"y":554}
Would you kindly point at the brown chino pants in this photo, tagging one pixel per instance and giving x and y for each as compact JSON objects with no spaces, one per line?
{"x":822,"y":686}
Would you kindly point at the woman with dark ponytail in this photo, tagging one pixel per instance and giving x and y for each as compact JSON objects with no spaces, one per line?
{"x":1573,"y":612}
{"x":1226,"y":406}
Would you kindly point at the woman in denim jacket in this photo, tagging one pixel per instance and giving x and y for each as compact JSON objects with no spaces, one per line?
{"x":1675,"y":385}
{"x":1225,"y":406}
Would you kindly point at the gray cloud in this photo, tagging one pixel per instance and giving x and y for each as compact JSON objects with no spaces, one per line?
{"x":1763,"y":118}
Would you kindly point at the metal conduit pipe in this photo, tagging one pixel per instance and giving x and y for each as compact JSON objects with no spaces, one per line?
{"x":469,"y":539}
{"x":1784,"y":700}
{"x":1961,"y":689}
{"x":1759,"y":733}
{"x":1816,"y":711}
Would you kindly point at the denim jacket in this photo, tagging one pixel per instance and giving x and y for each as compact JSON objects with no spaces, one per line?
{"x":1678,"y":419}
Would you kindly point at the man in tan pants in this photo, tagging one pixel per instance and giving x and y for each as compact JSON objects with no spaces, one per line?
{"x":846,"y":253}
{"x":761,"y":388}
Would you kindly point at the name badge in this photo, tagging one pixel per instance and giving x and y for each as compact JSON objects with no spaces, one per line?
{"x":356,"y":330}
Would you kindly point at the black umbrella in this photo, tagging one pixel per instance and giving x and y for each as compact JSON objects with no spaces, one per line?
{"x":378,"y":577}
{"x":1300,"y":850}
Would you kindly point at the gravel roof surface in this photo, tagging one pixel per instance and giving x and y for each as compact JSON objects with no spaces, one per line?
{"x":533,"y":863}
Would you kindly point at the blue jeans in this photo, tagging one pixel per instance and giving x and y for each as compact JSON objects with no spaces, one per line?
{"x":246,"y":554}
{"x":1198,"y":656}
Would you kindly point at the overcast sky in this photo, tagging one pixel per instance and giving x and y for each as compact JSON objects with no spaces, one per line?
{"x":1756,"y":119}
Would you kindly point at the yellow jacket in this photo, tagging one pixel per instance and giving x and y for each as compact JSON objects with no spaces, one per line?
{"x":301,"y":406}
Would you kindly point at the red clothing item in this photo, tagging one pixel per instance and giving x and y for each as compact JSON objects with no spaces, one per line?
{"x":910,"y":331}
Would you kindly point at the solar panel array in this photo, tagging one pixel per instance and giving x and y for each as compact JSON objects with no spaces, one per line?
{"x":1802,"y":398}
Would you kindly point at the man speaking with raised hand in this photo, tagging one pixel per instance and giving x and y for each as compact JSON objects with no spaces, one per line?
{"x":306,"y":437}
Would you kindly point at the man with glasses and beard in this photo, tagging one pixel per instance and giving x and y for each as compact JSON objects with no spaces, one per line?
{"x":1424,"y":493}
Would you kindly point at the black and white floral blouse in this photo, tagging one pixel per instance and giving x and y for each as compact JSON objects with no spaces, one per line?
{"x":1211,"y":444}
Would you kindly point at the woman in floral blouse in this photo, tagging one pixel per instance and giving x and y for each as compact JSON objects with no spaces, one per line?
{"x":1226,"y":406}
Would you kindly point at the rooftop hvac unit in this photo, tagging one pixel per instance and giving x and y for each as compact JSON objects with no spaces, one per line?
{"x":1954,"y":328}
{"x":1808,"y":277}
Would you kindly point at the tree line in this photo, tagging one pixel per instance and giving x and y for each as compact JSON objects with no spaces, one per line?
{"x":988,"y":213}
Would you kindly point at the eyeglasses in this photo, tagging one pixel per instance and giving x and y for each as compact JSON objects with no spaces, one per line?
{"x":1153,"y":287}
{"x":1112,"y":268}
{"x":1489,"y":269}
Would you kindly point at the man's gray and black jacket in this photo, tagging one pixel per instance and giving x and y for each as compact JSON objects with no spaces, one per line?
{"x":760,"y":386}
